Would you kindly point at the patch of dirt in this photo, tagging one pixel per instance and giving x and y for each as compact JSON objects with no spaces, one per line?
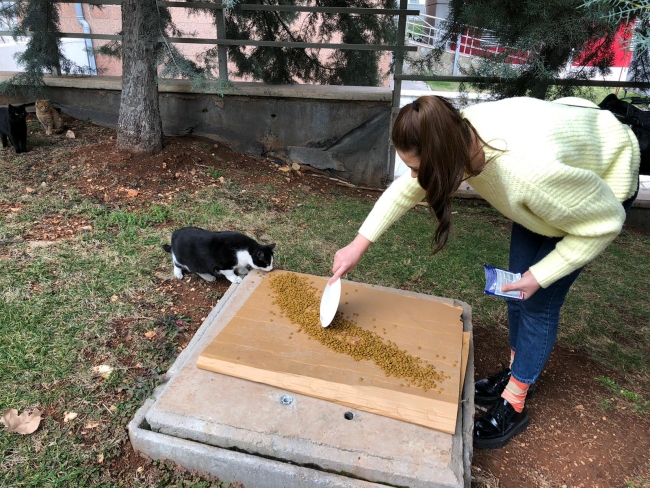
{"x":572,"y":440}
{"x":57,"y":227}
{"x":192,"y":297}
{"x":189,"y":164}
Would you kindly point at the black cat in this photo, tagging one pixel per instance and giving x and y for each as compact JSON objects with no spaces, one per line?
{"x":212,"y":253}
{"x":13,"y":125}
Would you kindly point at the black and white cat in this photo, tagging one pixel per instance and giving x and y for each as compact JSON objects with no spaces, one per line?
{"x":209,"y":254}
{"x":13,"y":126}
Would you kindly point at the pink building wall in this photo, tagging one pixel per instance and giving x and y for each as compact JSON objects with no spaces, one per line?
{"x":108,"y":20}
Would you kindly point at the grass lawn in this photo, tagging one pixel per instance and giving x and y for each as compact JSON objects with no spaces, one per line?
{"x":443,"y":86}
{"x":595,"y":94}
{"x":64,"y":297}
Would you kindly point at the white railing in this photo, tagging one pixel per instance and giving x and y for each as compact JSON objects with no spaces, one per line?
{"x":427,"y":31}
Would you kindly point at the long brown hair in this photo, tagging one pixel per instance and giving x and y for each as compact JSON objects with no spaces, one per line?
{"x":432,"y":128}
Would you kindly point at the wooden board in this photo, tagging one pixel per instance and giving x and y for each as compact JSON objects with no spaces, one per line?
{"x":467,"y":336}
{"x":255,"y":345}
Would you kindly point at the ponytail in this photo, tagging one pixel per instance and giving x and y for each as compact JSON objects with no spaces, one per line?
{"x":432,"y":128}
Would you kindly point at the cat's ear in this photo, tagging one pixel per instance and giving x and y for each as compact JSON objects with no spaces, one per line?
{"x":271,"y":246}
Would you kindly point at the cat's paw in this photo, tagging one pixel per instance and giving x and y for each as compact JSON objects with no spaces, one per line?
{"x":207,"y":277}
{"x":178,"y":273}
{"x":236,"y":280}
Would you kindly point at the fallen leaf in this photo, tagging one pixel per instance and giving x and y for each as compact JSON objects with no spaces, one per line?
{"x":100,"y":458}
{"x":68,"y":416}
{"x":103,"y":370}
{"x":295,"y":167}
{"x":580,"y":407}
{"x":70,"y":134}
{"x":150,"y":334}
{"x":112,"y":408}
{"x":284,"y":169}
{"x":140,"y":470}
{"x":222,"y":179}
{"x":21,"y":424}
{"x":29,"y":190}
{"x":132,"y":193}
{"x":91,"y":425}
{"x":114,"y":298}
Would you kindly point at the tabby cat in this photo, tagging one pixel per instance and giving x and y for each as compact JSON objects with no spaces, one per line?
{"x":49,"y":117}
{"x":13,"y":126}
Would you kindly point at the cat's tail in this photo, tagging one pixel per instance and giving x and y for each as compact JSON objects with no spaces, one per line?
{"x":167,"y":247}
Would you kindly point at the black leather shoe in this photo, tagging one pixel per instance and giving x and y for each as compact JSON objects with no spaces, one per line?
{"x":487,"y":391}
{"x":498,"y":425}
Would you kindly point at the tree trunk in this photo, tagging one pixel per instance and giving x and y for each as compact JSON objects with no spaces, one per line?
{"x":139,"y":127}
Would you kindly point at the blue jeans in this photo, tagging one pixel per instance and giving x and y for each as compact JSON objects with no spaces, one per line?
{"x":533,"y":323}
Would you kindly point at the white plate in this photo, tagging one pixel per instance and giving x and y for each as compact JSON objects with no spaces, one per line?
{"x":329,"y":302}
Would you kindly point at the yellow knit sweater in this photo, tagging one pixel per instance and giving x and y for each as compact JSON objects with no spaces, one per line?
{"x":562,"y":171}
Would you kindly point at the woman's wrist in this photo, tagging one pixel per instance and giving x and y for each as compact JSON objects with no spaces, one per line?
{"x":360,"y":244}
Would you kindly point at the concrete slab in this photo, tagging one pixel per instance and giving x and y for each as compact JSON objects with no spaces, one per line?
{"x":245,"y":431}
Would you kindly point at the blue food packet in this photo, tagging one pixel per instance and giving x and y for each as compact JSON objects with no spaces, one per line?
{"x":495,"y":278}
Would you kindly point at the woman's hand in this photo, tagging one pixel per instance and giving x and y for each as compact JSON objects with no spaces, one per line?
{"x":528,"y":284}
{"x":348,"y":257}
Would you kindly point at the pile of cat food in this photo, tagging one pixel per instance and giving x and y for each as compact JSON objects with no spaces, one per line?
{"x":299,"y":301}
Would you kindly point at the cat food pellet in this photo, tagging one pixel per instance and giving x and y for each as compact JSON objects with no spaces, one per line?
{"x":301,"y":302}
{"x":419,"y":347}
{"x":360,"y":379}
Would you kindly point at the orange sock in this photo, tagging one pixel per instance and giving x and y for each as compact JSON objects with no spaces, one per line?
{"x":512,"y":357}
{"x":515,"y":393}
